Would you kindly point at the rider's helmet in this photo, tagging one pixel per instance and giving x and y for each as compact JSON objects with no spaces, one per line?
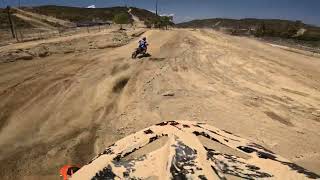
{"x":144,"y":38}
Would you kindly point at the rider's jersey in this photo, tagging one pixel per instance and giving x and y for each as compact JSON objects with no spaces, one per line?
{"x":143,"y":44}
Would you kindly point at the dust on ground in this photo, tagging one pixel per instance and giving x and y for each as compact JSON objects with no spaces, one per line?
{"x":67,"y":107}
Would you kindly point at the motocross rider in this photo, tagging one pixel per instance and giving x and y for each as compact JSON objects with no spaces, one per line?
{"x":143,"y":44}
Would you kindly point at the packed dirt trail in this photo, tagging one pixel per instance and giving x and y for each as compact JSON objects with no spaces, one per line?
{"x":65,"y":109}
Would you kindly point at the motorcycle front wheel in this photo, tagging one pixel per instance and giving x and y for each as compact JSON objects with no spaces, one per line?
{"x":134,"y":54}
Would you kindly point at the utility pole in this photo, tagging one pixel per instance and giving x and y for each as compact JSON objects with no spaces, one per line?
{"x":125,"y":4}
{"x":4,"y":4}
{"x":11,"y":22}
{"x":157,"y":7}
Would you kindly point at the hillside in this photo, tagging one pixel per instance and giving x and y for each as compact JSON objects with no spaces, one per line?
{"x":4,"y":23}
{"x":144,"y":15}
{"x":48,"y":21}
{"x":260,"y":27}
{"x":85,"y":15}
{"x":78,"y":15}
{"x":57,"y":16}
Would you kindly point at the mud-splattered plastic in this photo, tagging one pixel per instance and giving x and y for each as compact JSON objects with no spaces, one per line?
{"x":189,"y":150}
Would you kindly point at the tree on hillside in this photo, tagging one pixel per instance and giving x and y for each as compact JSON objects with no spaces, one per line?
{"x":165,"y":21}
{"x":292,"y":29}
{"x":162,"y":22}
{"x":261,"y":30}
{"x":121,"y":19}
{"x":149,"y":23}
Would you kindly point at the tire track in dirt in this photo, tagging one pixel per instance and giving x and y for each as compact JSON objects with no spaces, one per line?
{"x":228,"y":82}
{"x":69,"y":108}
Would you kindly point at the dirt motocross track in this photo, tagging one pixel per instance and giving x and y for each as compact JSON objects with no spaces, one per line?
{"x":65,"y":109}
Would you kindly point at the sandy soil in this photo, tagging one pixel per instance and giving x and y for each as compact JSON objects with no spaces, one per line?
{"x":136,"y":21}
{"x":66,"y":108}
{"x":41,"y":19}
{"x":35,"y":22}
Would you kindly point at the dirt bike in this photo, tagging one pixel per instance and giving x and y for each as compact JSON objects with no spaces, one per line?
{"x":138,"y":51}
{"x":186,"y":150}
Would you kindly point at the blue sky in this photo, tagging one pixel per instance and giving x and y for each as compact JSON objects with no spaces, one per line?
{"x":184,"y":10}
